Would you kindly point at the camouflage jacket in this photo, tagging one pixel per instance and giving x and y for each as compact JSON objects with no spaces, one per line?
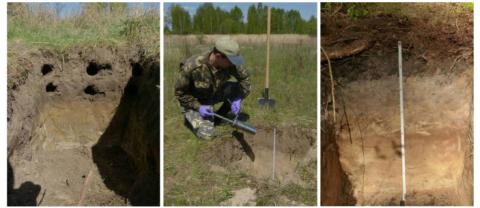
{"x":198,"y":81}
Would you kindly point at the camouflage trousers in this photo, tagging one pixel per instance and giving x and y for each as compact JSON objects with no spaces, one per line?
{"x":204,"y":128}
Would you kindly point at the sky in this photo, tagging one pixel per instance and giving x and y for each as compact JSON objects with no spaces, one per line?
{"x":306,"y":9}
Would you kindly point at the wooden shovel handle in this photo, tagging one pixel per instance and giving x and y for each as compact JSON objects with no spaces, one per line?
{"x":267,"y":63}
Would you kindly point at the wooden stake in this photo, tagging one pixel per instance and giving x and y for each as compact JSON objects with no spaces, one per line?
{"x":267,"y":63}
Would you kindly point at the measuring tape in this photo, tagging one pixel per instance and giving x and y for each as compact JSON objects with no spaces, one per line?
{"x":402,"y":132}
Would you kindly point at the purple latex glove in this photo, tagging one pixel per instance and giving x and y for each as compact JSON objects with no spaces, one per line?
{"x":236,"y":106}
{"x":205,"y":111}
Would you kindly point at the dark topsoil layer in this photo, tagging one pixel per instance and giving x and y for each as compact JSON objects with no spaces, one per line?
{"x":426,"y":45}
{"x":127,"y":153}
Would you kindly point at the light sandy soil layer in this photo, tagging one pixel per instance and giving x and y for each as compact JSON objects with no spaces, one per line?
{"x":437,"y":118}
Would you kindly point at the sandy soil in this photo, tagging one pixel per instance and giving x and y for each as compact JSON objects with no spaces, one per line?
{"x":61,"y":157}
{"x":361,"y":152}
{"x":436,"y":116}
{"x":70,"y":123}
{"x":253,"y":155}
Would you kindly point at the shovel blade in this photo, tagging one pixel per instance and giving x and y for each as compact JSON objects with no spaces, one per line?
{"x":266,"y":102}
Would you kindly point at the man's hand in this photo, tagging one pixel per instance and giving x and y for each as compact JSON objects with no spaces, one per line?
{"x":205,"y":111}
{"x":236,"y":106}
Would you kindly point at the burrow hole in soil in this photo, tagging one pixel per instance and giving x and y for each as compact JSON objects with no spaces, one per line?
{"x":47,"y":68}
{"x":91,"y":90}
{"x":93,"y":68}
{"x":51,"y":87}
{"x":137,"y":69}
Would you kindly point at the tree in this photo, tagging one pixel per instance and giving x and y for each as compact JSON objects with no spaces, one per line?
{"x":278,"y":21}
{"x":227,"y":26}
{"x":252,"y":19}
{"x":311,"y":26}
{"x":204,"y":19}
{"x":180,"y":20}
{"x":209,"y":19}
{"x":222,"y":21}
{"x":294,"y":22}
{"x":236,"y":17}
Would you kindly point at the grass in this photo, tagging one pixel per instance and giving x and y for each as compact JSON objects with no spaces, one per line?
{"x":188,"y":180}
{"x":40,"y":27}
{"x":292,"y":82}
{"x":442,"y":11}
{"x":242,"y":38}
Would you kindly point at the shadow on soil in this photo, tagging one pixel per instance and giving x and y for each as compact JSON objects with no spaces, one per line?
{"x":25,"y":195}
{"x":133,"y":173}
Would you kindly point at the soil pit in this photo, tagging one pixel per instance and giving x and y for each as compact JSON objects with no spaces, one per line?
{"x":253,"y":154}
{"x":436,"y":132}
{"x":361,"y":158}
{"x":73,"y":147}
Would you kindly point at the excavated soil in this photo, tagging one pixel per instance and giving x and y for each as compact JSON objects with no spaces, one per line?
{"x":361,"y":159}
{"x":82,"y":127}
{"x":253,"y":154}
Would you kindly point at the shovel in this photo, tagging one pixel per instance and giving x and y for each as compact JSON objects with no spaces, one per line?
{"x":266,"y":100}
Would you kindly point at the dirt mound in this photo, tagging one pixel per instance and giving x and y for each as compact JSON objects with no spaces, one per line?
{"x":253,"y":154}
{"x":62,"y":105}
{"x":361,"y":155}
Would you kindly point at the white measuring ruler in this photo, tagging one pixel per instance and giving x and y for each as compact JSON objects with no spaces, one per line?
{"x":402,"y":131}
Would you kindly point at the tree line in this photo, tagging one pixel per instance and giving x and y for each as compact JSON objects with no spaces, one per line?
{"x":213,"y":20}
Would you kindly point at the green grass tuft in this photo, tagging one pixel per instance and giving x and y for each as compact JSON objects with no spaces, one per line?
{"x":40,"y":27}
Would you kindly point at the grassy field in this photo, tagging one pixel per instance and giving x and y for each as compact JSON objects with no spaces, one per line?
{"x":188,"y":181}
{"x":40,"y":26}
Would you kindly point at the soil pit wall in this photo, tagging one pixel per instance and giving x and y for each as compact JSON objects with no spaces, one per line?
{"x":71,"y":121}
{"x":253,"y":154}
{"x":361,"y":159}
{"x":437,"y":131}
